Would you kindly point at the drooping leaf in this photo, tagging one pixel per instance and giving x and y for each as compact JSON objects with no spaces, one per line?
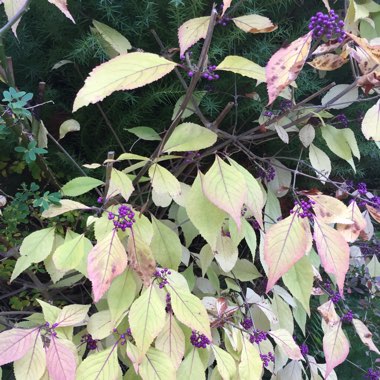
{"x":147,"y":318}
{"x":100,"y":325}
{"x":374,"y":267}
{"x":330,"y":210}
{"x":307,"y":135}
{"x":61,"y":359}
{"x":121,"y":294}
{"x":281,"y":309}
{"x":197,"y":98}
{"x":70,"y":254}
{"x":189,"y":310}
{"x":371,"y":123}
{"x":116,"y":40}
{"x":100,"y":366}
{"x":166,"y":246}
{"x":157,"y":365}
{"x":352,"y":231}
{"x":285,"y":340}
{"x":344,"y":101}
{"x":242,"y":66}
{"x":72,"y":315}
{"x":106,"y":260}
{"x":38,"y":245}
{"x":335,"y":347}
{"x":328,"y":62}
{"x":79,"y":186}
{"x":250,"y":366}
{"x":226,"y":252}
{"x":254,"y":24}
{"x":145,"y":133}
{"x":164,"y":182}
{"x":120,"y":183}
{"x":225,"y":187}
{"x":66,"y":205}
{"x":192,"y":367}
{"x":68,"y":126}
{"x":204,"y":215}
{"x":171,"y":340}
{"x":16,"y":343}
{"x":286,"y":242}
{"x":33,"y":364}
{"x":226,"y":363}
{"x":365,"y":335}
{"x":192,"y":31}
{"x":285,"y":65}
{"x":280,"y":184}
{"x":62,"y":6}
{"x":320,"y":161}
{"x":244,"y":270}
{"x":190,"y":137}
{"x":299,"y":280}
{"x":129,"y":71}
{"x":333,"y":251}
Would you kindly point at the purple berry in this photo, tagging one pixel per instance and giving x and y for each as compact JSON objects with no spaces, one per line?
{"x":199,"y":340}
{"x":190,"y":74}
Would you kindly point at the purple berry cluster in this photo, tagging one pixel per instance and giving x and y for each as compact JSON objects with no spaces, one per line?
{"x":199,"y":340}
{"x":268,"y":113}
{"x":247,"y":323}
{"x":335,"y":297}
{"x":266,"y":359}
{"x":267,"y":174}
{"x":305,"y":209}
{"x":123,"y":219}
{"x":304,"y":349}
{"x":91,"y":343}
{"x":286,"y":105}
{"x":347,"y":317}
{"x":168,"y":307}
{"x":362,"y":188}
{"x":191,"y":156}
{"x":209,"y":73}
{"x":124,"y":336}
{"x":341,"y":121}
{"x":328,"y":25}
{"x":100,"y":200}
{"x":161,"y":275}
{"x":258,"y":336}
{"x":224,"y":21}
{"x":255,"y":225}
{"x":372,"y":374}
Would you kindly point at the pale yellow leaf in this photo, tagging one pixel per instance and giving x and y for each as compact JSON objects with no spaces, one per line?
{"x":192,"y":31}
{"x":62,"y":6}
{"x":365,"y":335}
{"x":371,"y":123}
{"x":254,"y":24}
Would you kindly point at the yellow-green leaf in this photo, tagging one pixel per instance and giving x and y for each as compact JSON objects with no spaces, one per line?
{"x":163,"y":181}
{"x":116,"y":40}
{"x":320,"y":161}
{"x":371,"y":123}
{"x":192,"y":31}
{"x":226,"y":188}
{"x":79,"y":186}
{"x":125,"y":72}
{"x":226,"y":363}
{"x":192,"y":367}
{"x":197,"y":98}
{"x":166,"y":246}
{"x":242,"y":66}
{"x":68,"y":126}
{"x":157,"y":365}
{"x":120,"y":184}
{"x":72,"y":315}
{"x":189,"y":137}
{"x":147,"y":318}
{"x":250,"y":366}
{"x":144,"y":133}
{"x":66,"y":205}
{"x":254,"y":24}
{"x":285,"y":340}
{"x":100,"y":325}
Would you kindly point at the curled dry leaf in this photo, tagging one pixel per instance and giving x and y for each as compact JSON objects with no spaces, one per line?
{"x":326,"y":48}
{"x":328,"y":313}
{"x":328,"y":62}
{"x":374,"y":212}
{"x":285,"y":65}
{"x":352,"y":231}
{"x":371,"y":51}
{"x":365,"y":335}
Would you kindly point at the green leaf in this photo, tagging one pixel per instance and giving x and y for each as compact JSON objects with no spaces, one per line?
{"x":166,"y":246}
{"x":320,"y":161}
{"x":157,"y":365}
{"x":191,"y":368}
{"x":299,"y":280}
{"x":125,"y":72}
{"x":344,"y":101}
{"x":68,"y":126}
{"x":71,"y":254}
{"x":72,"y":315}
{"x":163,"y":181}
{"x":100,"y":325}
{"x":226,"y":364}
{"x":197,"y":97}
{"x":226,"y":188}
{"x":244,"y":270}
{"x":120,"y":184}
{"x":145,"y":133}
{"x":79,"y":186}
{"x":204,"y":215}
{"x":242,"y":66}
{"x":250,"y":366}
{"x":121,"y":294}
{"x":147,"y":318}
{"x":189,"y":137}
{"x":189,"y":310}
{"x":102,"y":365}
{"x":116,"y":40}
{"x":66,"y":205}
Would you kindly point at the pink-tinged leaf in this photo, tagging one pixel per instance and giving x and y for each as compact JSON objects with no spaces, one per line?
{"x":285,"y":65}
{"x":226,"y":5}
{"x":330,"y":210}
{"x":72,"y":315}
{"x":192,"y":31}
{"x":285,"y":243}
{"x":351,"y":232}
{"x":365,"y":335}
{"x":124,"y":72}
{"x":106,"y":261}
{"x":374,"y":212}
{"x":62,"y":6}
{"x":336,"y":347}
{"x":225,"y":187}
{"x":285,"y":340}
{"x":15,"y":343}
{"x":61,"y":359}
{"x":333,"y":251}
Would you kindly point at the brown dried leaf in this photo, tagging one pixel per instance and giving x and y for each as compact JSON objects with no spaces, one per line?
{"x":328,"y":62}
{"x":375,"y":213}
{"x":328,"y":313}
